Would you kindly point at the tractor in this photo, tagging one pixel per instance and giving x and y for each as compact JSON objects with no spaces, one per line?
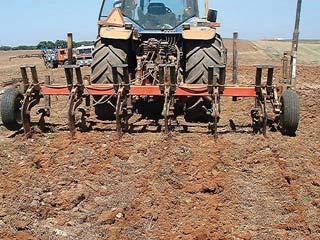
{"x":149,"y":35}
{"x":160,"y":59}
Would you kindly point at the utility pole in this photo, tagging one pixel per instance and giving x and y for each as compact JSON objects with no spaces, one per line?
{"x":295,"y":44}
{"x":70,"y":48}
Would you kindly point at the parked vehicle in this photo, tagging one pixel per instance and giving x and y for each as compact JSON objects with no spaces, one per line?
{"x":85,"y":55}
{"x":57,"y":57}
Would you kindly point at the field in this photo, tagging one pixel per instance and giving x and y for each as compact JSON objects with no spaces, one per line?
{"x":148,"y":185}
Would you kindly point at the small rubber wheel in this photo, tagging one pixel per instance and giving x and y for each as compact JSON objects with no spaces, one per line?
{"x":11,"y":109}
{"x":290,"y":112}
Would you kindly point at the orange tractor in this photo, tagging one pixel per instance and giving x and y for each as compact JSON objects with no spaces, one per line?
{"x":56,"y":58}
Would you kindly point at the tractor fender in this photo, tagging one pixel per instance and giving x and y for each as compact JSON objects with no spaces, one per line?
{"x":199,"y":33}
{"x":115,"y":33}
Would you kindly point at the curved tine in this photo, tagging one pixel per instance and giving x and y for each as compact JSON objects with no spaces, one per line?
{"x":118,"y":117}
{"x":265,"y":116}
{"x":71,"y":116}
{"x":26,"y":116}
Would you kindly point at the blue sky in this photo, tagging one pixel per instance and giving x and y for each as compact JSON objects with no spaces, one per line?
{"x":30,"y":21}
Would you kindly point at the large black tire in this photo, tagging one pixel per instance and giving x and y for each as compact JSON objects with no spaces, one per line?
{"x":107,"y":53}
{"x":199,"y":56}
{"x":290,"y":112}
{"x":11,"y":109}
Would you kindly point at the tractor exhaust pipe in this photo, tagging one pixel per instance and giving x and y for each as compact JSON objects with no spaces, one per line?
{"x":295,"y":44}
{"x":206,"y":7}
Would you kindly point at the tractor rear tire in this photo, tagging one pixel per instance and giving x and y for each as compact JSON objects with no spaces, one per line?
{"x":199,"y":56}
{"x":107,"y":53}
{"x":11,"y":109}
{"x":290,"y":112}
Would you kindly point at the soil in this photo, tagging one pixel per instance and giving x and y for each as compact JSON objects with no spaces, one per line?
{"x":148,"y":185}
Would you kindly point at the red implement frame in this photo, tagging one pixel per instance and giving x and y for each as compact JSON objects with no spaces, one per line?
{"x":168,"y":88}
{"x":197,"y":90}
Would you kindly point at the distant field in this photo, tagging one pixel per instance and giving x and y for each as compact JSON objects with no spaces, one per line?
{"x":314,"y":41}
{"x":271,"y":51}
{"x":309,"y":51}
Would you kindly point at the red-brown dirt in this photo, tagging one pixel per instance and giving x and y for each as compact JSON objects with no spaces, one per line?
{"x":148,"y":185}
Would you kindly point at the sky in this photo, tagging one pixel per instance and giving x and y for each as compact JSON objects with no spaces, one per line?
{"x":27,"y":22}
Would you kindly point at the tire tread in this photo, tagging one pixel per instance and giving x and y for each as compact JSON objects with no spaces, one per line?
{"x":8,"y":106}
{"x":290,"y":115}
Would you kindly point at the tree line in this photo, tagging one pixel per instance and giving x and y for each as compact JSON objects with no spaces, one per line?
{"x":47,"y":45}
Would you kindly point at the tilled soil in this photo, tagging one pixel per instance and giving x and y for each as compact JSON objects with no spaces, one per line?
{"x":148,"y":185}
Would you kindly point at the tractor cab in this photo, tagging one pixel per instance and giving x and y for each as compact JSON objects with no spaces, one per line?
{"x":154,"y":14}
{"x":151,"y":39}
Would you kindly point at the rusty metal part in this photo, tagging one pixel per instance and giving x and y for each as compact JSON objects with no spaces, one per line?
{"x":269,"y":86}
{"x":285,"y":66}
{"x":167,"y":86}
{"x":122,"y":88}
{"x":31,"y":98}
{"x":215,"y":111}
{"x":265,"y":92}
{"x":215,"y":90}
{"x":75,"y":98}
{"x":25,"y":79}
{"x":263,"y":105}
{"x":47,"y":99}
{"x":46,"y":110}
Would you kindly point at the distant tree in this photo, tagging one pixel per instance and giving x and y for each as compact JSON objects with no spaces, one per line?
{"x":61,"y":44}
{"x":46,"y":45}
{"x":23,"y":47}
{"x":76,"y":44}
{"x":5,"y":48}
{"x":51,"y":45}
